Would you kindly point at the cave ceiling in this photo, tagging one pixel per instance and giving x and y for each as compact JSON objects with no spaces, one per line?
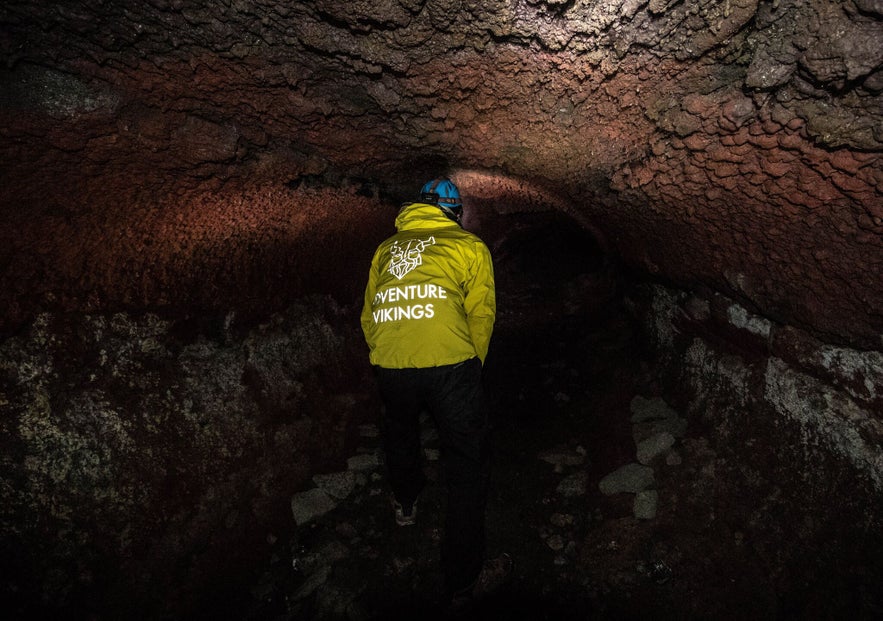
{"x":728,"y":144}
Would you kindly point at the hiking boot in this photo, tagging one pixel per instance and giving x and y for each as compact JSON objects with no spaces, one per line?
{"x":406,"y":515}
{"x":495,"y":573}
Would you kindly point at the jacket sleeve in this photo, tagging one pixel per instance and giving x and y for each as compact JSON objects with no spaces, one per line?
{"x":480,"y":300}
{"x":367,"y":307}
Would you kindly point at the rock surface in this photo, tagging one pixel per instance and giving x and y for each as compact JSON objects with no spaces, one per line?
{"x":190,"y":175}
{"x":183,"y":153}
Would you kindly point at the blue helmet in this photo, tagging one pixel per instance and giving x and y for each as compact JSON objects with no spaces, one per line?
{"x":444,"y":194}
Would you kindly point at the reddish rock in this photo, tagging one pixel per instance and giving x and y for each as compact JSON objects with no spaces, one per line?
{"x":184,"y":125}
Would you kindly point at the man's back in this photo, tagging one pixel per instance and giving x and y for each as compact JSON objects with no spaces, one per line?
{"x":430,"y":297}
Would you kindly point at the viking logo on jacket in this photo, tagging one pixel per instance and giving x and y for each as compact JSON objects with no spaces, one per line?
{"x":407,"y":257}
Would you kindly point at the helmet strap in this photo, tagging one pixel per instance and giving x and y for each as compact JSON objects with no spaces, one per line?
{"x":452,"y":214}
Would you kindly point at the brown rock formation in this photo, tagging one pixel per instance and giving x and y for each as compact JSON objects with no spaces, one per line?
{"x":234,"y":157}
{"x":148,"y":150}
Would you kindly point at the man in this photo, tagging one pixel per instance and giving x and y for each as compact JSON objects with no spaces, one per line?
{"x":428,"y":316}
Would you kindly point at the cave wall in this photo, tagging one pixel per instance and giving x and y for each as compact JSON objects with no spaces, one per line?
{"x":730,"y":142}
{"x":146,"y":458}
{"x":231,"y":160}
{"x":796,"y":426}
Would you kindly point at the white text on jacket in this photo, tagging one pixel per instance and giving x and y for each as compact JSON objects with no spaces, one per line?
{"x":407,"y":293}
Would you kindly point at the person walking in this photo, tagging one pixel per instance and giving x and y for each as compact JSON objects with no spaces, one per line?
{"x":428,"y":316}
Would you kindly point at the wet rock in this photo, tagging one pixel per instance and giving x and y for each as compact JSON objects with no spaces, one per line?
{"x":562,"y":520}
{"x":155,"y":426}
{"x":60,"y":94}
{"x":676,"y":427}
{"x":741,"y":318}
{"x":798,"y":407}
{"x":874,"y":7}
{"x":310,"y":505}
{"x":853,"y":53}
{"x":654,"y":418}
{"x":655,"y":570}
{"x":339,"y":485}
{"x":654,"y":447}
{"x":631,"y":478}
{"x":850,"y":431}
{"x":860,"y":373}
{"x":573,"y":485}
{"x":673,"y":458}
{"x":644,"y":409}
{"x":556,"y":543}
{"x":645,"y":504}
{"x":330,"y":553}
{"x":367,"y":461}
{"x":562,"y":457}
{"x":313,"y":582}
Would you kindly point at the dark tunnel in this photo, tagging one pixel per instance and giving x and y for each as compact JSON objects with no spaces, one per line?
{"x":683,"y":202}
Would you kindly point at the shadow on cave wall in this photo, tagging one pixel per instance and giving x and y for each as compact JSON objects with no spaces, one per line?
{"x":540,"y":254}
{"x":169,"y":447}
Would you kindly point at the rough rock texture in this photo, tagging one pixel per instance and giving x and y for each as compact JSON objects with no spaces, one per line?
{"x":730,"y":142}
{"x":138,"y":450}
{"x":197,"y":159}
{"x":797,"y":426}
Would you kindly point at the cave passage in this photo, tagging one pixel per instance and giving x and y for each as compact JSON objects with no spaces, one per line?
{"x":684,"y":201}
{"x":567,"y":377}
{"x":563,"y":366}
{"x":283,"y":403}
{"x":563,"y":361}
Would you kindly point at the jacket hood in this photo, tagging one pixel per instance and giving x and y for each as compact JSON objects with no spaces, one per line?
{"x":422,"y":216}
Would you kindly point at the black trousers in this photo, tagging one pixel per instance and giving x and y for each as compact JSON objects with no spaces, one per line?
{"x":453,"y":396}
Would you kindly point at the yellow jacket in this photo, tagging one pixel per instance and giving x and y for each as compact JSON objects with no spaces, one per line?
{"x":430,"y":299}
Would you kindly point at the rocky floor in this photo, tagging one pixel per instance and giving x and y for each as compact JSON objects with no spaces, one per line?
{"x":566,"y":393}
